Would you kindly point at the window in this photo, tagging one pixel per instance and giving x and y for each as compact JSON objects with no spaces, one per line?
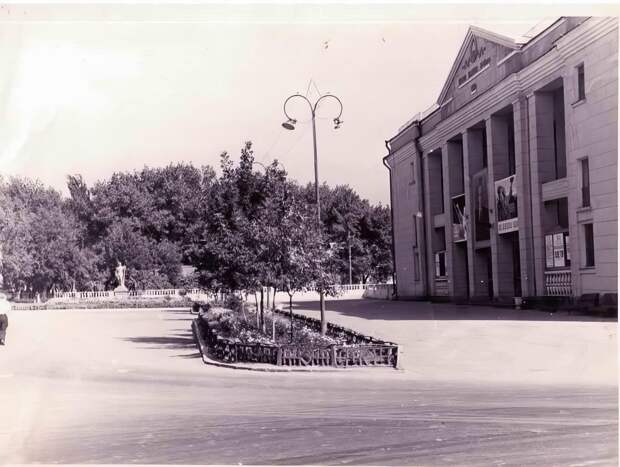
{"x":585,"y":183}
{"x":442,"y":187}
{"x":440,"y":264}
{"x":485,"y":157}
{"x":581,"y":83}
{"x":416,"y":265}
{"x":588,"y":235}
{"x":412,"y":173}
{"x":415,"y":231}
{"x":512,"y":167}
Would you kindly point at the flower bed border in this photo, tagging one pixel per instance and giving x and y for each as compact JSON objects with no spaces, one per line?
{"x":363,"y":351}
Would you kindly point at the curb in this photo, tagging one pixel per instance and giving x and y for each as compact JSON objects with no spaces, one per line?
{"x":202,"y":347}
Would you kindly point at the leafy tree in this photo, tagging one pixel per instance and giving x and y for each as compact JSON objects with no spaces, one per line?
{"x":150,"y":264}
{"x":40,"y":246}
{"x":248,"y":228}
{"x":353,"y":223}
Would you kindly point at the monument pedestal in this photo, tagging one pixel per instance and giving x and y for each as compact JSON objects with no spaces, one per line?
{"x":121,"y":292}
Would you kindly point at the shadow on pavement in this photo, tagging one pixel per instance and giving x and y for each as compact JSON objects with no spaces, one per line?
{"x":372,"y":309}
{"x":185,"y":311}
{"x":177,"y":341}
{"x":191,"y":355}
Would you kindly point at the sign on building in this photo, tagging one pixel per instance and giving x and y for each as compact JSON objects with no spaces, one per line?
{"x":481,"y":207}
{"x":459,"y":225}
{"x":506,"y":203}
{"x":558,"y":250}
{"x":549,"y":251}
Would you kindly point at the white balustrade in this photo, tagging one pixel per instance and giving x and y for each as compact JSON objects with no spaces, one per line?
{"x":194,"y":293}
{"x":558,"y":283}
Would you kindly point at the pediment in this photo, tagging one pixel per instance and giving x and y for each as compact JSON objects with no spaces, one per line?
{"x":480,"y":50}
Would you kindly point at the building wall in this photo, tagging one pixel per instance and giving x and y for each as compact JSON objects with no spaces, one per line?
{"x":530,"y":98}
{"x":592,"y":132}
{"x":408,"y":239}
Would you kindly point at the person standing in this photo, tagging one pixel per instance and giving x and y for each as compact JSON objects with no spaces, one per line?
{"x":4,"y":323}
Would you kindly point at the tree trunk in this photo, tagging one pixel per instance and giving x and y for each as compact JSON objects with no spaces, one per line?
{"x":290,"y":311}
{"x":323,"y":322}
{"x":262,"y":309}
{"x":273,"y":326}
{"x":257,"y":311}
{"x":273,"y":302}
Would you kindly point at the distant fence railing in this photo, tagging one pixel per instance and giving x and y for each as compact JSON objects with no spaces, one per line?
{"x":381,"y":291}
{"x":346,"y":287}
{"x":111,"y":294}
{"x":193,"y":293}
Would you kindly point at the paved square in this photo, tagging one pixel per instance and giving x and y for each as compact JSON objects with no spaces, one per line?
{"x":128,"y":386}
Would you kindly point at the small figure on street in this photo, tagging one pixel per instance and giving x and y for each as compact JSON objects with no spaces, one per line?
{"x":4,"y":323}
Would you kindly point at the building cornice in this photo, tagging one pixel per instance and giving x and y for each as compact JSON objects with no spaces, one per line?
{"x":581,"y":37}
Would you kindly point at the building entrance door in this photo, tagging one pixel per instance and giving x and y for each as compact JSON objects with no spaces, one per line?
{"x":516,"y":264}
{"x":489,"y":272}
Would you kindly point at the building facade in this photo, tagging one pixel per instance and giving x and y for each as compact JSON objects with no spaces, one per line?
{"x":507,"y":187}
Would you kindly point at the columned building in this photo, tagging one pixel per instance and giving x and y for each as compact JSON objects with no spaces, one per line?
{"x":507,"y":187}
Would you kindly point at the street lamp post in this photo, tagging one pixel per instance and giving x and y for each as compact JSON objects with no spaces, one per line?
{"x":290,"y":125}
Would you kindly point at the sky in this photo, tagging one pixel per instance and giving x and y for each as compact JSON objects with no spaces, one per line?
{"x":95,"y":89}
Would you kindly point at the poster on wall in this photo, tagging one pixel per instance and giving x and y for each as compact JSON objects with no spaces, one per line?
{"x":459,"y":226}
{"x":506,"y":203}
{"x":558,"y":250}
{"x":549,"y":250}
{"x":481,"y":206}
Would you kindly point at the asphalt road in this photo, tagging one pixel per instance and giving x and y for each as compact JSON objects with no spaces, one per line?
{"x":109,"y":393}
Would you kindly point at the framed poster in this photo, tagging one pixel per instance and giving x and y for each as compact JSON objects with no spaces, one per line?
{"x":558,"y":250}
{"x":549,"y":250}
{"x":506,"y":204}
{"x":459,"y":225}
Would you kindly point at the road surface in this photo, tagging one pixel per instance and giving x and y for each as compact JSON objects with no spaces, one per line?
{"x":122,"y":387}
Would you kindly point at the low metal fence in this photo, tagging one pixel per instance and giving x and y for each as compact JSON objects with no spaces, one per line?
{"x":360,"y":350}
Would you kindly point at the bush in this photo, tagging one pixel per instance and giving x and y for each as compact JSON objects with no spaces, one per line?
{"x":233,"y":302}
{"x":239,"y":325}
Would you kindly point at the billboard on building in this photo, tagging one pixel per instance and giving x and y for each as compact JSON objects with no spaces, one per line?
{"x":558,"y":250}
{"x":506,"y":203}
{"x":481,"y":206}
{"x":459,"y":226}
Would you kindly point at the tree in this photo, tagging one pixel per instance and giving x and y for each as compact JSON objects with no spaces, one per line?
{"x":353,"y":224}
{"x":224,"y":241}
{"x":40,"y":245}
{"x":150,"y":264}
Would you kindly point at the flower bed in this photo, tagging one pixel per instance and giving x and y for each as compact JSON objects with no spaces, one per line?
{"x":233,"y":336}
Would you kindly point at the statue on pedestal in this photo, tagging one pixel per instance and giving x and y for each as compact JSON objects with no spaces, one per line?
{"x":119,"y":273}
